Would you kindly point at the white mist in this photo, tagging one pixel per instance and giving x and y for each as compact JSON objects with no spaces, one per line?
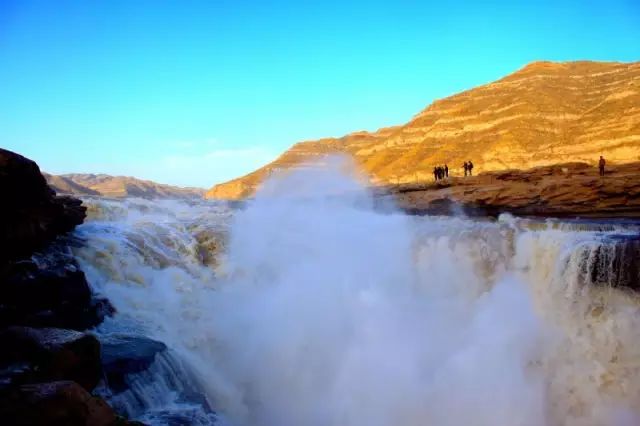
{"x":326,"y":311}
{"x":327,"y":318}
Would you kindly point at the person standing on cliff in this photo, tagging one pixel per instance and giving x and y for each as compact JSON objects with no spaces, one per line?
{"x":601,"y":165}
{"x":435,"y":173}
{"x":446,"y":171}
{"x":466,"y":168}
{"x":470,"y":167}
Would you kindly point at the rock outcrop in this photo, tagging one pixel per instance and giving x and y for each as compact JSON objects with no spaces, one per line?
{"x":118,"y":187}
{"x":46,"y":373}
{"x":565,"y":190}
{"x":49,"y":290}
{"x":32,"y":215}
{"x":55,"y":403}
{"x":543,"y":114}
{"x":36,"y":288}
{"x":126,"y":354}
{"x":52,"y":354}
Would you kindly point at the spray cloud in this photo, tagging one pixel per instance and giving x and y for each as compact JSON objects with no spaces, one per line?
{"x":326,"y":317}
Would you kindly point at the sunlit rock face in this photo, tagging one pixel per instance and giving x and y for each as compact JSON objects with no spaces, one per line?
{"x":564,"y":190}
{"x":543,"y":114}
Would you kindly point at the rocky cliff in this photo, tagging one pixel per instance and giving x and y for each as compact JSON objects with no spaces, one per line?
{"x":117,"y":186}
{"x":48,"y":365}
{"x":543,"y":114}
{"x":32,"y":214}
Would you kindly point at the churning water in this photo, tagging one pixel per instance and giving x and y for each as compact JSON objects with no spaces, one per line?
{"x":305,"y":307}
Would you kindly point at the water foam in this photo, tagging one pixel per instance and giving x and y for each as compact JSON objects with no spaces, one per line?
{"x":325,"y":311}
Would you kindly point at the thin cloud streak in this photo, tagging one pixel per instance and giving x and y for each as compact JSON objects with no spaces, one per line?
{"x":216,"y":166}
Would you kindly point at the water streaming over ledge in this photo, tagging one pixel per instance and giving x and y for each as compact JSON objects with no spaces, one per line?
{"x":326,"y":312}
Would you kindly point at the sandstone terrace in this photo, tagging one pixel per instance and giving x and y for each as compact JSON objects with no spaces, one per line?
{"x":546,"y":113}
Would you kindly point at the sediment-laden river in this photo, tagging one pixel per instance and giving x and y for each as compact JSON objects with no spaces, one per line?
{"x":321,"y":310}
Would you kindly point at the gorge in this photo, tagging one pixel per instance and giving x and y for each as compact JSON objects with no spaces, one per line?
{"x":346,"y":289}
{"x":328,"y":310}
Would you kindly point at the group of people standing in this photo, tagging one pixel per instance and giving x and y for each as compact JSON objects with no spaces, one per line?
{"x":441,"y":172}
{"x":468,"y":168}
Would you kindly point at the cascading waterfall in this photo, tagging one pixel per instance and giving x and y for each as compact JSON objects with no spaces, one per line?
{"x":311,"y":308}
{"x":143,"y":255}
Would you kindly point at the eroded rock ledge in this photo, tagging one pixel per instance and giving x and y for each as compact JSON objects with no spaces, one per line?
{"x":565,"y":191}
{"x":32,"y":215}
{"x":48,"y":365}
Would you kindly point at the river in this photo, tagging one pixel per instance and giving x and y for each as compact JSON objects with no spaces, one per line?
{"x":301,"y":307}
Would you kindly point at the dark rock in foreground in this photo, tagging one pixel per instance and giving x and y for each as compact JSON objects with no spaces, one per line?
{"x":52,"y":354}
{"x":32,"y":215}
{"x":49,"y":291}
{"x":40,"y":283}
{"x":56,"y":403}
{"x":45,"y":373}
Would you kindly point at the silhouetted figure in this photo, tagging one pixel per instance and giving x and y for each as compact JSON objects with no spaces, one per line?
{"x":435,"y":173}
{"x":601,"y":165}
{"x":466,"y":168}
{"x":446,"y":171}
{"x":470,"y":167}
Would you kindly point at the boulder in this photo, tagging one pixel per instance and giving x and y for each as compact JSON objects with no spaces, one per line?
{"x":127,"y":354}
{"x":40,"y":289}
{"x":56,"y":403}
{"x":51,"y":292}
{"x":31,"y":215}
{"x":52,"y":354}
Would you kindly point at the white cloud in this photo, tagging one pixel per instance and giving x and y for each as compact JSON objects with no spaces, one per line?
{"x":215,"y":166}
{"x":190,"y":145}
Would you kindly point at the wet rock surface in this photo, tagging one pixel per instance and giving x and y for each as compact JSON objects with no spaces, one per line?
{"x":47,"y":366}
{"x":56,"y":403}
{"x":614,"y":262}
{"x":127,"y":354}
{"x":32,"y":215}
{"x":40,"y":283}
{"x":49,"y":291}
{"x":52,"y":354}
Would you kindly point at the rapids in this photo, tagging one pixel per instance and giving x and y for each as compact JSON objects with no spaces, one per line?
{"x":319,"y":309}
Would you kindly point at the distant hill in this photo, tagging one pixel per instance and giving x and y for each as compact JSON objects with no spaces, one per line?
{"x":117,"y":186}
{"x":543,"y":114}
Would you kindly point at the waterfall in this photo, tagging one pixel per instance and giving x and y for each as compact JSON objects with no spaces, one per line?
{"x":307,"y":308}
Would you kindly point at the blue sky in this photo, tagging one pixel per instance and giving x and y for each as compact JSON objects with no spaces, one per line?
{"x":198,"y":92}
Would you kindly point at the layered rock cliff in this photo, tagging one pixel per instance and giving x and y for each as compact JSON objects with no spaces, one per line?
{"x":543,"y":114}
